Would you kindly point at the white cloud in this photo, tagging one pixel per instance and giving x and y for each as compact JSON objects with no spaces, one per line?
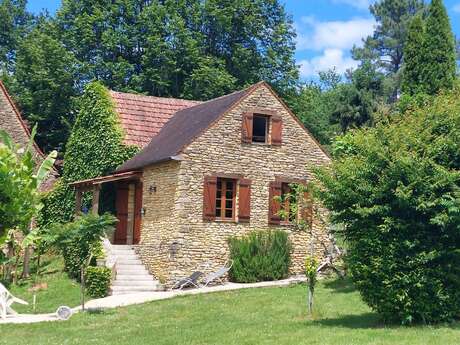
{"x":457,"y":8}
{"x":319,"y":35}
{"x":331,"y":58}
{"x":361,"y":4}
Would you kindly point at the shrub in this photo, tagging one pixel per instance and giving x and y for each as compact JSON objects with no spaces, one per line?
{"x":395,"y":188}
{"x":260,"y":256}
{"x":78,"y":240}
{"x":98,"y":281}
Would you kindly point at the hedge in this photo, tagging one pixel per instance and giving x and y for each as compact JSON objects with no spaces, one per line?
{"x":260,"y":256}
{"x":98,"y":281}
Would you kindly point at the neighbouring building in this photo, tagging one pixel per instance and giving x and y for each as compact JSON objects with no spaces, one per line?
{"x":208,"y":171}
{"x":12,"y":122}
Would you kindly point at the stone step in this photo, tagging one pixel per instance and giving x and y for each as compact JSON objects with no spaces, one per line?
{"x":137,"y":272}
{"x":135,"y":283}
{"x":128,"y":266}
{"x":119,"y":290}
{"x":134,"y":277}
{"x":129,"y":261}
{"x":122,"y":253}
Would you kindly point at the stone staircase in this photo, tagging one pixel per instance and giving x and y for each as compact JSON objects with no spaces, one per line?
{"x":132,"y":276}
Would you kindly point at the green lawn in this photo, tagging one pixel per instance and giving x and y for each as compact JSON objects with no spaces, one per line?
{"x":60,"y":289}
{"x":253,"y":316}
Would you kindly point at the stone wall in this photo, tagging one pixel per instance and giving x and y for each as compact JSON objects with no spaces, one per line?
{"x":176,"y":220}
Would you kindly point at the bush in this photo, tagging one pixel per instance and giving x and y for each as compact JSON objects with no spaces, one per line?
{"x":98,"y":281}
{"x":79,"y":239}
{"x":260,"y":256}
{"x":395,"y":188}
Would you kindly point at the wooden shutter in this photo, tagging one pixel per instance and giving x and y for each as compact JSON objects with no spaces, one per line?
{"x":137,"y":213}
{"x":277,"y":129}
{"x":246,"y":130}
{"x":244,"y":201}
{"x":274,"y":205}
{"x":209,"y":197}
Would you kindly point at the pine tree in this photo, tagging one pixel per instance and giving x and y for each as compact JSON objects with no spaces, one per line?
{"x":412,"y":77}
{"x":439,"y":54}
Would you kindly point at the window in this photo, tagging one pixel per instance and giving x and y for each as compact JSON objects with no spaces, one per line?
{"x":286,"y":199}
{"x":225,"y":198}
{"x":260,"y":129}
{"x":264,"y":127}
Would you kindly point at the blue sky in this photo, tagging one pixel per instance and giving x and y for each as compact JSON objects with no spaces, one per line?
{"x":326,"y":29}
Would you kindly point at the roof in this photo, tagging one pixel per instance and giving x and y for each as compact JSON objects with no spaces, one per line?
{"x":182,"y":129}
{"x":130,"y":175}
{"x":142,"y":117}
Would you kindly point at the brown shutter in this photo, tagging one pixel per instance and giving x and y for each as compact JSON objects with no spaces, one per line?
{"x":277,"y":129}
{"x":209,"y":197}
{"x":121,"y":231}
{"x":274,"y":205}
{"x":246,"y":130}
{"x":244,"y":201}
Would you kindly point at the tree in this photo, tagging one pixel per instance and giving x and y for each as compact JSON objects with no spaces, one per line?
{"x":395,"y":189}
{"x":385,"y":48}
{"x":412,"y":77}
{"x":45,"y":86}
{"x":15,"y":22}
{"x":439,"y":54}
{"x":358,"y":99}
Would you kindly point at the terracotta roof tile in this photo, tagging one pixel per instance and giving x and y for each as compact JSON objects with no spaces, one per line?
{"x":142,"y":117}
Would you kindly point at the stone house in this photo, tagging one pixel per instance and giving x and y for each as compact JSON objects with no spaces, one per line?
{"x":208,"y":171}
{"x":12,"y":122}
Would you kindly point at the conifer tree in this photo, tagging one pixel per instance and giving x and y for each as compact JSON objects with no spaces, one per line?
{"x":438,"y":51}
{"x":412,"y":77}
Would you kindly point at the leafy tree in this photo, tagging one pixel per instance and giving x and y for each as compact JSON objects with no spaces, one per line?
{"x":20,"y":180}
{"x":385,"y":48}
{"x":314,"y":104}
{"x":357,"y":100}
{"x":44,"y":83}
{"x":15,"y":22}
{"x":395,"y":188}
{"x":412,"y":77}
{"x":439,"y":67}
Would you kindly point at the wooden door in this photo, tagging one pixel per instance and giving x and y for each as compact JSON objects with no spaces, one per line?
{"x":121,"y":232}
{"x":137,"y":213}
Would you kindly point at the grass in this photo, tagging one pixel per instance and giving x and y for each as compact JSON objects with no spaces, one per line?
{"x":60,"y":289}
{"x":253,"y":316}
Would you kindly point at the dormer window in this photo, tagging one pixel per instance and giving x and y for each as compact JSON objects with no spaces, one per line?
{"x":260,"y":128}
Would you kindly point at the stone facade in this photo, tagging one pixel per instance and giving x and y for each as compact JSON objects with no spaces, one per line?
{"x":175,"y":240}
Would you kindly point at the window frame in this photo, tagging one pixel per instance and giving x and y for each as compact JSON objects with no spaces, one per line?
{"x":223,"y":199}
{"x":268,"y":121}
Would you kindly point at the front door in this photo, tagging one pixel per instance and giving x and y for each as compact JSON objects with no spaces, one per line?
{"x":121,"y":232}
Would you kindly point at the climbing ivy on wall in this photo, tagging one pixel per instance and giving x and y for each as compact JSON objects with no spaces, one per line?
{"x":95,"y":148}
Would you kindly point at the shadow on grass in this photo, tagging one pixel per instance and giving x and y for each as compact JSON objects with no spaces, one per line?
{"x":340,"y":285}
{"x":354,"y":321}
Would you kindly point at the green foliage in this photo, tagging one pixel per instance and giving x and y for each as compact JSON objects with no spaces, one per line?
{"x":15,"y":22}
{"x":395,"y":188}
{"x":260,"y":256}
{"x":98,"y":281}
{"x":78,"y":240}
{"x":412,"y":77}
{"x":20,"y":180}
{"x":311,"y":266}
{"x":385,"y":48}
{"x":94,"y":149}
{"x":44,"y":84}
{"x":439,"y":54}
